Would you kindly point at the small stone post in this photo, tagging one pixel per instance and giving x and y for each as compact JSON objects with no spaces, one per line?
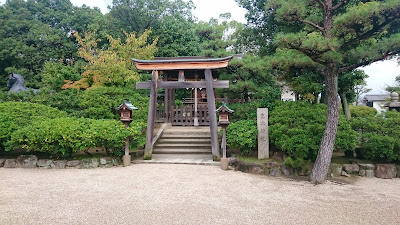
{"x":263,"y":140}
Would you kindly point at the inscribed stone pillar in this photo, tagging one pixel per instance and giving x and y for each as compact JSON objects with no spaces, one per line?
{"x":263,"y":140}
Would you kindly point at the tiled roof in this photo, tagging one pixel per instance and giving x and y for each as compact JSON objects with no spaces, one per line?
{"x":377,"y":97}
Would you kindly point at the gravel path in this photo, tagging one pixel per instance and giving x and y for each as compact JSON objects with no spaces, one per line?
{"x":187,"y":194}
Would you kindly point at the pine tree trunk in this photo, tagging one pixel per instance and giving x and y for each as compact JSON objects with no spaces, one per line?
{"x":345,"y":105}
{"x":321,"y":166}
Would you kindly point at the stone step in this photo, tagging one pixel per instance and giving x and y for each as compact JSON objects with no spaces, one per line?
{"x":188,"y":130}
{"x":188,"y":133}
{"x":182,"y":141}
{"x":190,"y":159}
{"x":182,"y":145}
{"x":181,"y":151}
{"x":186,"y":136}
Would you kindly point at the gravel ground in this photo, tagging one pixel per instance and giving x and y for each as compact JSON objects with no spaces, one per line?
{"x":188,"y":194}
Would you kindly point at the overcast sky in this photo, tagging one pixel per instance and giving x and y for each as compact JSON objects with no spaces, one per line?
{"x":380,"y":74}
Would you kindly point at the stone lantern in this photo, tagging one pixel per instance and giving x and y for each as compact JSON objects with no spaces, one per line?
{"x":394,"y":103}
{"x":126,"y":109}
{"x":223,"y":121}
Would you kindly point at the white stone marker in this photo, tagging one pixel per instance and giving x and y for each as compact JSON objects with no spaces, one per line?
{"x":263,"y":140}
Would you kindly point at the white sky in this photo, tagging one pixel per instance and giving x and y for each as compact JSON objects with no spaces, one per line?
{"x":380,"y":74}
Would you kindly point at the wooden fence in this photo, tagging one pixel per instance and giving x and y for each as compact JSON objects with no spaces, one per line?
{"x":183,"y":115}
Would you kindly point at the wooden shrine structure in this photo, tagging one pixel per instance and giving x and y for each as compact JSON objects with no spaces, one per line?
{"x":182,"y":72}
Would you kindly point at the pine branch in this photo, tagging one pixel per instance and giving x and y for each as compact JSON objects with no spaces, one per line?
{"x":312,"y":56}
{"x":339,"y":5}
{"x":312,"y":24}
{"x":321,"y":4}
{"x":367,"y":34}
{"x":363,"y":63}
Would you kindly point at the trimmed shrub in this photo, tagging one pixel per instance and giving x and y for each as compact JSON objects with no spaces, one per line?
{"x":379,"y":136}
{"x":362,"y":111}
{"x":66,"y":136}
{"x":242,"y":135}
{"x":297,"y":129}
{"x":17,"y":115}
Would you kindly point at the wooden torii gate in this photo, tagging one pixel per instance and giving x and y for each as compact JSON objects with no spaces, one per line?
{"x":182,"y":64}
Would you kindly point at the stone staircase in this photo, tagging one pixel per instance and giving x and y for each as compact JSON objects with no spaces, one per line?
{"x":184,"y":140}
{"x":183,"y":145}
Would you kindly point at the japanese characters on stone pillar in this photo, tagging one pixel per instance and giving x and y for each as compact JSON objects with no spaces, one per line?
{"x":263,"y":140}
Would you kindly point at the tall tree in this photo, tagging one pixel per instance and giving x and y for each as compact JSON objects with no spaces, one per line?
{"x":249,"y":79}
{"x":257,"y":36}
{"x":34,"y":32}
{"x":176,"y":37}
{"x":139,"y":15}
{"x":335,"y":36}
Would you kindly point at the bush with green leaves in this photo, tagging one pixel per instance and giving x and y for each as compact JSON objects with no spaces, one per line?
{"x":100,"y":102}
{"x":297,"y":129}
{"x":65,"y":136}
{"x":362,"y":111}
{"x":243,"y":136}
{"x":379,"y":136}
{"x":17,"y":115}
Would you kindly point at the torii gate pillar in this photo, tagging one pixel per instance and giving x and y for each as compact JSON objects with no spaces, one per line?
{"x":211,"y":114}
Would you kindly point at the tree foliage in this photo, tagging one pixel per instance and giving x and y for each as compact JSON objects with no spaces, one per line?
{"x":395,"y":87}
{"x":249,"y":78}
{"x":112,"y":66}
{"x":35,"y":32}
{"x":258,"y":35}
{"x":100,"y":103}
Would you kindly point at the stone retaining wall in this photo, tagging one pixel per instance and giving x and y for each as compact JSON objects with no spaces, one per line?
{"x":385,"y":171}
{"x":31,"y":161}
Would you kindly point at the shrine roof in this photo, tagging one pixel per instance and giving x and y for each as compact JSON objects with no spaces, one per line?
{"x":182,"y":63}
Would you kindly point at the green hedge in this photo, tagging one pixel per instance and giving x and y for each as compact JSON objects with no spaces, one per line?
{"x":66,"y":136}
{"x":379,"y":136}
{"x":297,"y":129}
{"x":362,"y":111}
{"x":17,"y":115}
